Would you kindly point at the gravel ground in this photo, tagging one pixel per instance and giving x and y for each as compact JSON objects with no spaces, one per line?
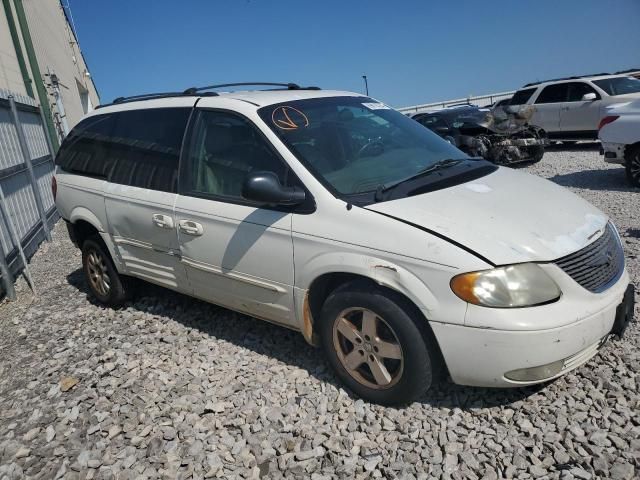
{"x":170,"y":387}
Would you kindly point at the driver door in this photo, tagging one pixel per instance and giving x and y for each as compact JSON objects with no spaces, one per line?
{"x":237,"y":254}
{"x":578,"y":115}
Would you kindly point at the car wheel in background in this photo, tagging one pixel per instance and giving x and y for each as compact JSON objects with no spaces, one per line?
{"x":536,"y":153}
{"x":632,"y":165}
{"x":103,"y":279}
{"x":375,"y":346}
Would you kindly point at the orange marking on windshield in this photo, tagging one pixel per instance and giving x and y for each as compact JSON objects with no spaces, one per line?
{"x":285,"y":122}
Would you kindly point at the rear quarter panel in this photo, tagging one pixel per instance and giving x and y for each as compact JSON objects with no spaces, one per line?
{"x":82,"y":198}
{"x":625,"y":130}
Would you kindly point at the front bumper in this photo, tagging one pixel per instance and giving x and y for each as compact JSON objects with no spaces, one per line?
{"x":483,"y":356}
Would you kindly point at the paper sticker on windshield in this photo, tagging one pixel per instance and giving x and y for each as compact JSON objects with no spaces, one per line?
{"x":375,"y":106}
{"x":289,"y":118}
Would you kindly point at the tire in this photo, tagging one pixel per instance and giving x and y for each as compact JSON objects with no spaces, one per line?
{"x":404,"y":356}
{"x":632,"y":165}
{"x":536,"y":154}
{"x":104,"y":281}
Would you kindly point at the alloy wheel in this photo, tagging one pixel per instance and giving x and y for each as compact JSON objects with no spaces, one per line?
{"x":634,"y":167}
{"x":368,"y":348}
{"x":98,"y":273}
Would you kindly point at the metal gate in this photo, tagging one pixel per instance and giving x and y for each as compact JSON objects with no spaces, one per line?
{"x":27,"y":210}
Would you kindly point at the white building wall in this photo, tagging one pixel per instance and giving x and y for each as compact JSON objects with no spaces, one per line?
{"x":57,"y":52}
{"x":10,"y":76}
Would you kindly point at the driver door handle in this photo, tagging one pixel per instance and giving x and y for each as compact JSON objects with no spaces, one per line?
{"x":190,"y":227}
{"x":162,"y":221}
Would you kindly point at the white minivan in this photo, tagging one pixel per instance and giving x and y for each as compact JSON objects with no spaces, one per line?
{"x":334,"y":215}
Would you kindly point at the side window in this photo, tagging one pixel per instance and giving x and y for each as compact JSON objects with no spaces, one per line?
{"x":85,"y":149}
{"x":578,"y":89}
{"x":433,"y":122}
{"x":521,"y":97}
{"x":553,"y":94}
{"x":223,"y":149}
{"x":145,"y":147}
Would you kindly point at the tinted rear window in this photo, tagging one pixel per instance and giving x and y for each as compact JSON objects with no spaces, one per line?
{"x":145,"y":147}
{"x":85,"y":149}
{"x":140,"y":148}
{"x":521,"y":96}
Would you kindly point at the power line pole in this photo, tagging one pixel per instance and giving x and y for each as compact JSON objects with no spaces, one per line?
{"x":366,"y":84}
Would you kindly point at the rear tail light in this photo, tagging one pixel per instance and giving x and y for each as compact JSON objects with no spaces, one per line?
{"x":54,"y":187}
{"x":607,"y":120}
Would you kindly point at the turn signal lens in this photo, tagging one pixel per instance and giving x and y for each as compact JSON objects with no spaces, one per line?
{"x":522,"y":285}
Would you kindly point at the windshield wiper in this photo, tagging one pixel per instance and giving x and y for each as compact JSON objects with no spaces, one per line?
{"x":439,"y":165}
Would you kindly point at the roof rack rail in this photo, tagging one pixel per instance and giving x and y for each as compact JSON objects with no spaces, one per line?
{"x":574,"y":77}
{"x":196,"y":91}
{"x":146,"y":96}
{"x":289,"y":86}
{"x":628,"y":70}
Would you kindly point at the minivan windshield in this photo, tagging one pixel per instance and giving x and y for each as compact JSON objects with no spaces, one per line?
{"x":619,"y":85}
{"x":356,"y":144}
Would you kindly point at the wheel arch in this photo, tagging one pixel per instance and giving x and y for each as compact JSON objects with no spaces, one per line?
{"x":81,"y":230}
{"x":83,"y":214}
{"x":327,"y":283}
{"x":628,"y":148}
{"x":631,"y":151}
{"x":83,"y":223}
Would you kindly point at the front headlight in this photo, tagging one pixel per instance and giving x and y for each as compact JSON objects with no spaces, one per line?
{"x":522,"y":285}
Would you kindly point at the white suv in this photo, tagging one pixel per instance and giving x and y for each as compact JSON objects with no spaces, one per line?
{"x":332,"y":214}
{"x":571,"y":108}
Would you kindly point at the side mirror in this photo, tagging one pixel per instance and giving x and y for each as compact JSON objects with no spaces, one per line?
{"x":589,"y":97}
{"x":264,"y":187}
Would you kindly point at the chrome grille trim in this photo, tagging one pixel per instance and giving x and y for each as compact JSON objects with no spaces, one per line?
{"x":598,"y":265}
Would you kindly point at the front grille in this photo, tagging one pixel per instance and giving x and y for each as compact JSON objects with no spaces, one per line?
{"x":598,"y":265}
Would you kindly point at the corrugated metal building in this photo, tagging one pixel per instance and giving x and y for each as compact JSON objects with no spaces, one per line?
{"x":45,"y":89}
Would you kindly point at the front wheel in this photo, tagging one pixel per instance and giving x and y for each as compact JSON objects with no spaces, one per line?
{"x":632,"y":165}
{"x":375,"y":346}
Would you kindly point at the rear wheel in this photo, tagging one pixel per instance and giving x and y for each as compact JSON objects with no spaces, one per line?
{"x":632,"y":165}
{"x":102,"y":277}
{"x":374,"y":345}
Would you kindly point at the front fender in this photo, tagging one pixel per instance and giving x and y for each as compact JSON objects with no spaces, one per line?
{"x":383,"y":272}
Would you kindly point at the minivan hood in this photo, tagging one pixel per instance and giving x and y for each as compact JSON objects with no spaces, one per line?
{"x":506,"y":217}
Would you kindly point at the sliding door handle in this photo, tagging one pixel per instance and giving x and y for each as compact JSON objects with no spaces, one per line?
{"x":190,"y":227}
